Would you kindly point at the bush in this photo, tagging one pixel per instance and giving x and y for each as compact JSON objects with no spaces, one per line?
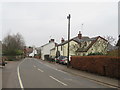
{"x":19,"y":52}
{"x":98,"y":53}
{"x":114,"y":53}
{"x":12,"y":52}
{"x":12,"y":58}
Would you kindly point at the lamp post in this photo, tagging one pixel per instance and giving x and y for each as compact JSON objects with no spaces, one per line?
{"x":68,"y":17}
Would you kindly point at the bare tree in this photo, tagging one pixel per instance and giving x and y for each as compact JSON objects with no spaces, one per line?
{"x":13,"y":44}
{"x":110,"y":39}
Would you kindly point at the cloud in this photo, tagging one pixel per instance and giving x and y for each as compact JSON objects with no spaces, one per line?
{"x":38,"y":21}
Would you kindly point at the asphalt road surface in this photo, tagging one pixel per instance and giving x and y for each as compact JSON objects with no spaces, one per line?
{"x":33,"y":73}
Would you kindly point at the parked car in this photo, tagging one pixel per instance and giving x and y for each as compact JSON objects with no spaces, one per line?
{"x":57,"y":60}
{"x":60,"y":59}
{"x":63,"y":61}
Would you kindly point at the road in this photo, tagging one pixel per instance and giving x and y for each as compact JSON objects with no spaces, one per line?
{"x":33,"y":73}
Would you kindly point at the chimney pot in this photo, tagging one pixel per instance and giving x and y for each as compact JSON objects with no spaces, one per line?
{"x":80,"y":35}
{"x":62,"y":40}
{"x":52,"y":40}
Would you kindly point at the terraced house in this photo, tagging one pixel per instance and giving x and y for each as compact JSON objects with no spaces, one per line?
{"x":83,"y":45}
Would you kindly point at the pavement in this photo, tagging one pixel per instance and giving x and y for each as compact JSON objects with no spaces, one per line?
{"x":1,"y":67}
{"x":9,"y":75}
{"x":94,"y":77}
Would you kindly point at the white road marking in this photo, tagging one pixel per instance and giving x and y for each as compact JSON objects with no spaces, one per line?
{"x":40,"y":70}
{"x":52,"y":67}
{"x":62,"y":71}
{"x":18,"y":73}
{"x":21,"y":85}
{"x":58,"y":80}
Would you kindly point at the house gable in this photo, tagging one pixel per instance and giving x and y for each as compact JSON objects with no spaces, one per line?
{"x":100,"y":45}
{"x":45,"y":49}
{"x":90,"y":42}
{"x":83,"y":45}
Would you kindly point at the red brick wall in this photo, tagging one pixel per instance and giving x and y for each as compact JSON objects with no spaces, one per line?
{"x":103,"y":65}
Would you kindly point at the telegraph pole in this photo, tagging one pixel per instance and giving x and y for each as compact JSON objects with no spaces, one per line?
{"x":68,"y":17}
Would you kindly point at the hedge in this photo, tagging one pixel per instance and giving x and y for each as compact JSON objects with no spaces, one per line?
{"x":102,"y":65}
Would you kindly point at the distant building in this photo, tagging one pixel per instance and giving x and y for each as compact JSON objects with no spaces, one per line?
{"x":28,"y":50}
{"x":33,"y":54}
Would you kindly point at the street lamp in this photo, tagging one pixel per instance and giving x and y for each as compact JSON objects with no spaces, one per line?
{"x":68,"y":17}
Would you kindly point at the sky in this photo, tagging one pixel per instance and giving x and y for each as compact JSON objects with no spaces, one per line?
{"x":39,"y":21}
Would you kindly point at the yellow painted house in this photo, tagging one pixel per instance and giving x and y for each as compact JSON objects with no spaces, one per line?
{"x":53,"y":52}
{"x":62,"y":48}
{"x":81,"y":46}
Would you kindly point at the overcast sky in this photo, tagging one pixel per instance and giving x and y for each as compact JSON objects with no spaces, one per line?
{"x":40,"y":21}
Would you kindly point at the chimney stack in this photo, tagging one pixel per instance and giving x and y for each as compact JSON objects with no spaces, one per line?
{"x":51,"y":40}
{"x":62,"y":40}
{"x":80,"y":35}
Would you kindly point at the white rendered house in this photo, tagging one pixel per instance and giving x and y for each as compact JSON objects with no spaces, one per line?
{"x":45,"y":49}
